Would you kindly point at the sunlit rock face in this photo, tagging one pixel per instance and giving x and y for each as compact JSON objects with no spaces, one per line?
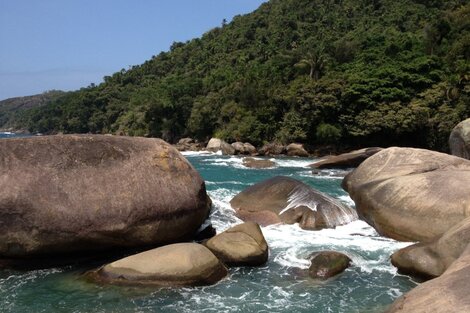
{"x":64,"y":194}
{"x":411,"y":194}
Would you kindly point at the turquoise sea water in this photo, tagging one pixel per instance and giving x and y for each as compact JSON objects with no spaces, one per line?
{"x":280,"y":286}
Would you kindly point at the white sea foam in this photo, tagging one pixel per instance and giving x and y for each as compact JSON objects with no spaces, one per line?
{"x":290,"y":245}
{"x":198,"y":153}
{"x":347,"y":200}
{"x":294,"y":245}
{"x":233,"y":161}
{"x":297,"y":163}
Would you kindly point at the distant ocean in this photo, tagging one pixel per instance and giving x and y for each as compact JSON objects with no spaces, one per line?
{"x":11,"y":135}
{"x":369,"y":285}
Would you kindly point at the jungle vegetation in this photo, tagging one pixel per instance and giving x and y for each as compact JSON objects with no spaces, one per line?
{"x":341,"y":72}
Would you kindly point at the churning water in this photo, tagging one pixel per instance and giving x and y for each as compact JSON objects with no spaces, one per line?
{"x":282,"y":285}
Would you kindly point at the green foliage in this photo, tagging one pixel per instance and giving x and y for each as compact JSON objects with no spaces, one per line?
{"x":327,"y":133}
{"x":350,"y":72}
{"x":292,"y":128}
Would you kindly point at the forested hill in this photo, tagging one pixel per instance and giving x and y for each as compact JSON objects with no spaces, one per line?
{"x":11,"y":108}
{"x":349,"y":72}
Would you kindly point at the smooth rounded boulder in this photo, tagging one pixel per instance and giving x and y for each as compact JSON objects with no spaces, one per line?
{"x":411,"y":194}
{"x":85,"y":193}
{"x":296,"y":149}
{"x":326,"y":264}
{"x":431,"y":259}
{"x":283,"y":199}
{"x":272,"y":149}
{"x":244,"y":148}
{"x":241,"y":245}
{"x":215,"y":145}
{"x":346,"y":160}
{"x":459,"y":140}
{"x":182,"y":264}
{"x":445,"y":294}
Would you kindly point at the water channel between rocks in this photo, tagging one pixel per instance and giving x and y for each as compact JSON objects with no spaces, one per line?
{"x":280,"y":286}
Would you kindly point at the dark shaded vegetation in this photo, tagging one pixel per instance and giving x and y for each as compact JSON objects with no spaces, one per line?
{"x":343,"y":72}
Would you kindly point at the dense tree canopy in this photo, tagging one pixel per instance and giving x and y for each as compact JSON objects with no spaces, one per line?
{"x":347,"y":72}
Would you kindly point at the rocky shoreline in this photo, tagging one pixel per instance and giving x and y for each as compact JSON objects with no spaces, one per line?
{"x":83,"y":193}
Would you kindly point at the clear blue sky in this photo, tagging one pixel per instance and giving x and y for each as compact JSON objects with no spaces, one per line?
{"x":68,"y":44}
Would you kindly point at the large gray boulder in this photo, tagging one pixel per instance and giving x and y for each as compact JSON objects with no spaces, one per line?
{"x":283,"y":199}
{"x":459,"y":140}
{"x":346,"y":160}
{"x":240,"y":245}
{"x":183,"y":264}
{"x":431,"y":259}
{"x":448,"y":293}
{"x":84,"y":193}
{"x":411,"y":194}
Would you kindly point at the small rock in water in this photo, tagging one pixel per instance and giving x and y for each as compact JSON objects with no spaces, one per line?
{"x":326,"y":264}
{"x":240,"y":245}
{"x":216,"y":144}
{"x":182,"y":264}
{"x":296,"y":149}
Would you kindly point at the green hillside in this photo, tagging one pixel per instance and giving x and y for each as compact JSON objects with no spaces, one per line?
{"x":347,"y":72}
{"x":11,"y":109}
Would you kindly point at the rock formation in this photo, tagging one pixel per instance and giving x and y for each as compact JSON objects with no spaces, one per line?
{"x":283,"y":199}
{"x":85,"y":193}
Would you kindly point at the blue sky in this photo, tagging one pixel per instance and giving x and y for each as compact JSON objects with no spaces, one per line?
{"x":65,"y":44}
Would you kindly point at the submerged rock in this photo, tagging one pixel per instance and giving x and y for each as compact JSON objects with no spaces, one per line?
{"x":459,"y":140}
{"x":183,"y":264}
{"x":346,"y":160}
{"x":296,"y":149}
{"x":258,"y":163}
{"x":326,"y":264}
{"x":431,"y":259}
{"x":83,"y":193}
{"x":283,"y":199}
{"x":411,"y":194}
{"x":445,"y":294}
{"x":240,"y":245}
